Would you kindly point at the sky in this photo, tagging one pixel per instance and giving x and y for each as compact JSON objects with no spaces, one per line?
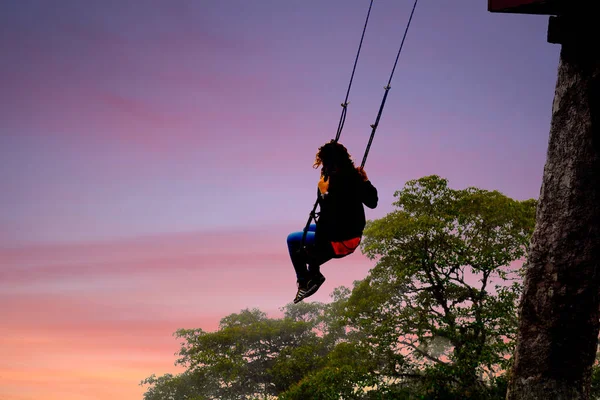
{"x":155,"y":155}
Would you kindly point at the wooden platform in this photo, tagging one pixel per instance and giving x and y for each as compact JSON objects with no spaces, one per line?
{"x":539,"y":7}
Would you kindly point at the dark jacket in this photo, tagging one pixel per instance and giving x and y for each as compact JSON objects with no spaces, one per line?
{"x":342,"y":215}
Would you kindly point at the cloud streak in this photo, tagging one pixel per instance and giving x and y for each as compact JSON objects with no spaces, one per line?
{"x":97,"y":317}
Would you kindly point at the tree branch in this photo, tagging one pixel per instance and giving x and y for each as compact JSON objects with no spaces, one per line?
{"x":421,"y":352}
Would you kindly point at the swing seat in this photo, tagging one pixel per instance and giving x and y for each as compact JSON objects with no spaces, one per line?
{"x":345,"y":247}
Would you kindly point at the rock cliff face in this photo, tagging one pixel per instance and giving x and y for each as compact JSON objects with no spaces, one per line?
{"x":560,"y":306}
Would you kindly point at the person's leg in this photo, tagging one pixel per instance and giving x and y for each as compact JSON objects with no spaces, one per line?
{"x":299,"y":258}
{"x":297,"y":254}
{"x":322,"y":253}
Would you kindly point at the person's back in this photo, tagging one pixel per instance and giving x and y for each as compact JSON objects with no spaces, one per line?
{"x":342,"y":215}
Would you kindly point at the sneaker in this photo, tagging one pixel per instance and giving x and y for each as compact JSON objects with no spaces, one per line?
{"x":301,"y":294}
{"x":314,"y":284}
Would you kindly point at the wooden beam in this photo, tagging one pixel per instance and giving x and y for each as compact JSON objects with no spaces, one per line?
{"x":536,"y":7}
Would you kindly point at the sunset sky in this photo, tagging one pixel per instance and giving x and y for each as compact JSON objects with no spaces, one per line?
{"x":155,"y":155}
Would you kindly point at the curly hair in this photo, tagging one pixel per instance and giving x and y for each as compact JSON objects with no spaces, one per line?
{"x":334,"y":154}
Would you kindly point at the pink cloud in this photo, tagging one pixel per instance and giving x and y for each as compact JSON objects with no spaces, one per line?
{"x":66,"y":90}
{"x":70,"y":359}
{"x":136,"y":109}
{"x":97,"y":317}
{"x":172,"y":264}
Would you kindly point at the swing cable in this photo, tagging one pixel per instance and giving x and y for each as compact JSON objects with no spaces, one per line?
{"x":313,"y":213}
{"x":387,"y":88}
{"x":345,"y":103}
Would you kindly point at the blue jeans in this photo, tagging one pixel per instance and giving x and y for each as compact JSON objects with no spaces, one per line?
{"x":299,"y":258}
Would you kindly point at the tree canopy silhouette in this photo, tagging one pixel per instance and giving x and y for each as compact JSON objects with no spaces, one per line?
{"x":435,"y":317}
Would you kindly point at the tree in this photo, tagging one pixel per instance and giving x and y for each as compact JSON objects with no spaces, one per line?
{"x":237,"y":360}
{"x":185,"y":386}
{"x":434,"y":318}
{"x":240,"y":355}
{"x":595,"y":378}
{"x":251,"y":356}
{"x":560,"y":309}
{"x":347,"y":371}
{"x":440,"y":302}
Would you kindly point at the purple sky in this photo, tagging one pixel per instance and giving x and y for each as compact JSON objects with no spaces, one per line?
{"x":126,"y":118}
{"x":156,"y":154}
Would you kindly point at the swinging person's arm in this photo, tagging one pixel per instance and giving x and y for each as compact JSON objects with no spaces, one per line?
{"x":368,"y":191}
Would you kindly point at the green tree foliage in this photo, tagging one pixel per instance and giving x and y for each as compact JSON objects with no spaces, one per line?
{"x":186,"y":386}
{"x":250,"y":354}
{"x":434,"y":319}
{"x":595,"y":379}
{"x":444,"y":289}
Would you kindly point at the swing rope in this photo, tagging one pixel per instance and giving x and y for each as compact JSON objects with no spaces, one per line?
{"x":387,"y":88}
{"x":313,"y":214}
{"x":345,"y":103}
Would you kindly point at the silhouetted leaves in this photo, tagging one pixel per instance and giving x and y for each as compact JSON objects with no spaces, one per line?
{"x":434,"y":318}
